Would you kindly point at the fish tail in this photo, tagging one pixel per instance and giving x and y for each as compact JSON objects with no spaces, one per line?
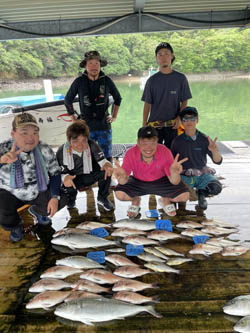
{"x":155,"y":285}
{"x":155,"y":299}
{"x":152,"y":311}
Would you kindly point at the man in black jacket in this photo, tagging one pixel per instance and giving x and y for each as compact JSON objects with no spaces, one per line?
{"x":94,"y":89}
{"x":83,"y":164}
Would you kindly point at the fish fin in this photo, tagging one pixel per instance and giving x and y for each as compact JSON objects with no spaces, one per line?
{"x":152,"y":311}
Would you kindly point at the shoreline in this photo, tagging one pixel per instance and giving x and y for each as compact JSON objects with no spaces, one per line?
{"x":37,"y":84}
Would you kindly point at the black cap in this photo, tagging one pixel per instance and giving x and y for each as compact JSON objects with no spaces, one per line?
{"x":93,"y":55}
{"x":164,"y":45}
{"x":147,"y":132}
{"x":189,"y":110}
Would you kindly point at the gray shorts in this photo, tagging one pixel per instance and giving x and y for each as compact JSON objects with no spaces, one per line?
{"x":162,"y":187}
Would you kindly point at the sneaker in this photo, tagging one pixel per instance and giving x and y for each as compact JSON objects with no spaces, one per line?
{"x":105,"y":203}
{"x":42,"y":220}
{"x":16,"y":233}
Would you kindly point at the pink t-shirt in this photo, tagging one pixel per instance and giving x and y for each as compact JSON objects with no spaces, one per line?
{"x":158,"y":168}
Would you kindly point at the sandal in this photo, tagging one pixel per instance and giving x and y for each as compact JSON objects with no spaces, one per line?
{"x":133,"y":209}
{"x":168,"y":209}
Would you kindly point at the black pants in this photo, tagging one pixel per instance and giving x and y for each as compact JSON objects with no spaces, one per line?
{"x":166,"y":135}
{"x":9,"y":204}
{"x":83,"y":180}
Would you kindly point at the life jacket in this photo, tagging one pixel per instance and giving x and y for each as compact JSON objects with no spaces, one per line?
{"x":94,"y":107}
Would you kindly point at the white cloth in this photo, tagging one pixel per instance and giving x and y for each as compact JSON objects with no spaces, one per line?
{"x":68,"y":159}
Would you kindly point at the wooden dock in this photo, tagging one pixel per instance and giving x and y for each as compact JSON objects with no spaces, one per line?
{"x":191,"y":301}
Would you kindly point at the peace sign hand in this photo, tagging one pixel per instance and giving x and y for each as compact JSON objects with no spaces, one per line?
{"x":11,"y":156}
{"x":120,"y":173}
{"x":212,"y":146}
{"x":176,"y":166}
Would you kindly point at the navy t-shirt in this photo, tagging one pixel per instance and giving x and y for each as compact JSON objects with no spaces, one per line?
{"x":165,"y":92}
{"x":196,"y":150}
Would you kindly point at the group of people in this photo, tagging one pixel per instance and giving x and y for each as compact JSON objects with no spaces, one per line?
{"x":161,"y":163}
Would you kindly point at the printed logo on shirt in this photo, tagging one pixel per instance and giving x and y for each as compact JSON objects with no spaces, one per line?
{"x":173,"y":92}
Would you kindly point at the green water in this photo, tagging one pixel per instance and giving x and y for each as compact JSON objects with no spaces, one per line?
{"x":224,"y":109}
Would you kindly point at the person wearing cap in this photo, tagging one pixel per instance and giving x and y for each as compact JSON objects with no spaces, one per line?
{"x":83,"y":164}
{"x":195,"y":146}
{"x":29,"y":174}
{"x":165,"y":95}
{"x":154,"y":170}
{"x":94,"y":89}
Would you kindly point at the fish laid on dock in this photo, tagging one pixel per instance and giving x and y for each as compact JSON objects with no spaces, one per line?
{"x":178,"y":261}
{"x":155,"y":252}
{"x":194,"y":232}
{"x":130,"y":271}
{"x":91,"y":310}
{"x":162,"y":235}
{"x":243,"y":325}
{"x":169,"y":252}
{"x":221,"y":241}
{"x":92,"y":225}
{"x":234,"y":250}
{"x":189,"y":224}
{"x":138,"y":240}
{"x":65,"y":231}
{"x":132,"y":285}
{"x":76,"y":294}
{"x":82,"y":241}
{"x":215,"y":230}
{"x":135,"y":298}
{"x":89,"y":286}
{"x":47,"y":299}
{"x":119,"y":260}
{"x":100,"y":276}
{"x":123,"y":232}
{"x":150,"y":257}
{"x":79,"y":262}
{"x":60,"y":272}
{"x":238,"y":306}
{"x":161,"y":267}
{"x":49,"y":284}
{"x":205,"y":249}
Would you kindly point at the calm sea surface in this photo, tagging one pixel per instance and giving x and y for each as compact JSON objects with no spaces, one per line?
{"x":223,"y":106}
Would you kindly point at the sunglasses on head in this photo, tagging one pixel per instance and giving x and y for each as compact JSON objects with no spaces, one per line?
{"x":185,"y":119}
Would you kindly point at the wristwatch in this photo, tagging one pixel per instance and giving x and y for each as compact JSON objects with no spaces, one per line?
{"x":56,"y":197}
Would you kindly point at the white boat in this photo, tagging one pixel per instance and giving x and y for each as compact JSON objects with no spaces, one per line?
{"x":144,"y":79}
{"x":51,"y":116}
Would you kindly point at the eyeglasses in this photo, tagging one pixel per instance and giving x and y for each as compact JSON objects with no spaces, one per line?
{"x":189,"y":119}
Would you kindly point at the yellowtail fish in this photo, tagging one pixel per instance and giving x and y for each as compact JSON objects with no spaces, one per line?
{"x":69,"y":231}
{"x":134,"y":298}
{"x":91,"y":310}
{"x":155,"y":252}
{"x":178,"y":261}
{"x":161,"y":267}
{"x":169,"y":252}
{"x":150,"y":257}
{"x":135,"y":224}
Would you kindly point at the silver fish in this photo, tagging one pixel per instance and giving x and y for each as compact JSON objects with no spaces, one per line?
{"x":135,"y":224}
{"x":188,"y":224}
{"x":132,"y":285}
{"x":205,"y":249}
{"x":119,"y":260}
{"x":161,"y":267}
{"x":150,"y":257}
{"x":138,"y":240}
{"x":47,"y":299}
{"x":69,"y":231}
{"x":123,"y":232}
{"x":91,"y":310}
{"x":243,"y":325}
{"x":134,"y":298}
{"x":81,"y":241}
{"x":90,"y":225}
{"x":234,"y":250}
{"x":79,"y":262}
{"x":49,"y":284}
{"x":169,"y":252}
{"x":116,"y":250}
{"x":238,"y":306}
{"x":86,"y":285}
{"x":178,"y":261}
{"x":163,"y":235}
{"x":130,"y":271}
{"x":218,"y":223}
{"x":100,"y":276}
{"x":59,"y":272}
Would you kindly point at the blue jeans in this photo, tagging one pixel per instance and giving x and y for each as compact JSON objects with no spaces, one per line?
{"x":104,"y":139}
{"x":199,"y":182}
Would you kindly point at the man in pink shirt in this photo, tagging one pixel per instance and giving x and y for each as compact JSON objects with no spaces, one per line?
{"x":154,"y":171}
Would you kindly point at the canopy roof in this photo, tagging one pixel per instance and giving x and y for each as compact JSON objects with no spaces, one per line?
{"x":48,"y":18}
